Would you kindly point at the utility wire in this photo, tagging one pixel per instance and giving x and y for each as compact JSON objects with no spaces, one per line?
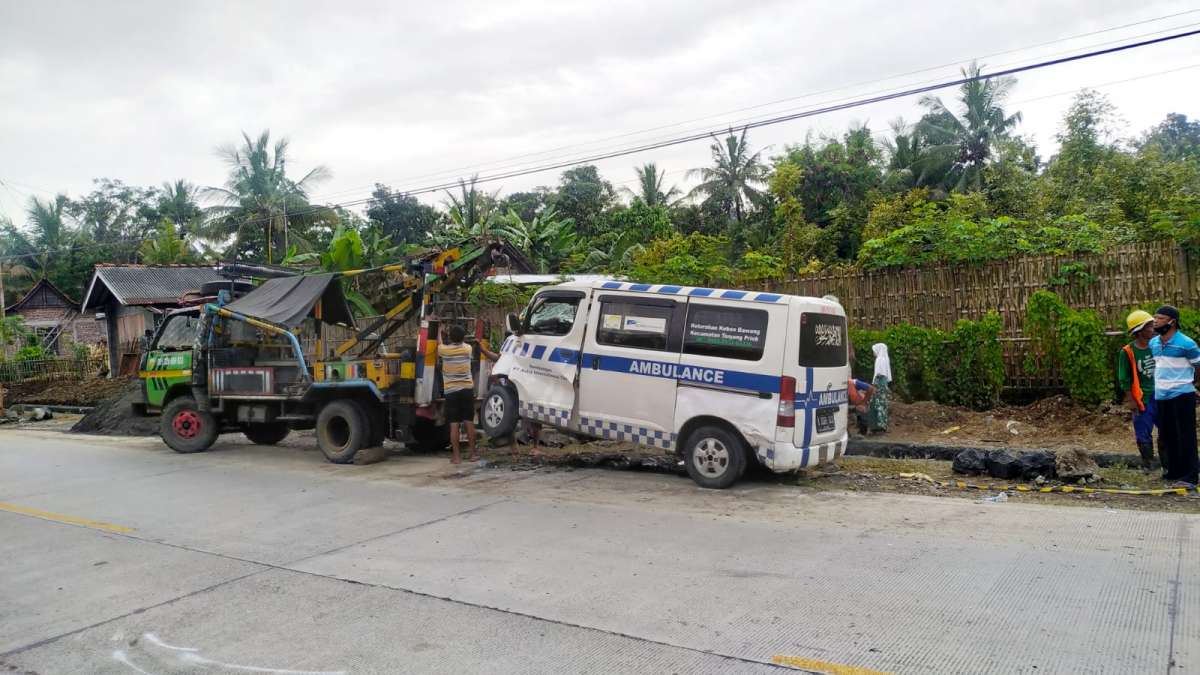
{"x":800,"y":115}
{"x":510,"y":160}
{"x":779,"y":119}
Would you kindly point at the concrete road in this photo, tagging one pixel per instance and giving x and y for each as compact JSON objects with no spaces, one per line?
{"x":120,"y":556}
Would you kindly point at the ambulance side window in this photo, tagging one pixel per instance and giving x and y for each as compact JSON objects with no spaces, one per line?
{"x":726,"y":332}
{"x":633,"y":324}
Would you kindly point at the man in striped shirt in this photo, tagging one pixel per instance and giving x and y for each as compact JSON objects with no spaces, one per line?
{"x":1175,"y":359}
{"x":459,"y":388}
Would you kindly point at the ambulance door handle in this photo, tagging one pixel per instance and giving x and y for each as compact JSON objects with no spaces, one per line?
{"x":595,"y":363}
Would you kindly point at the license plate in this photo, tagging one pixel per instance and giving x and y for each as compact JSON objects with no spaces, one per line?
{"x":826,"y":420}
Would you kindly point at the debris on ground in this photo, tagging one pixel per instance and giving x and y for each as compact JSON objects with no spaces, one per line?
{"x":1005,"y":463}
{"x":78,"y":392}
{"x":1076,"y":465}
{"x":20,"y":414}
{"x":114,"y":416}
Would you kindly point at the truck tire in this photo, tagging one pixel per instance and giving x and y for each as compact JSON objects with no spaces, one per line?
{"x":429,"y":437}
{"x":715,"y":458}
{"x":498,"y":414}
{"x":268,"y":433}
{"x":378,"y":419}
{"x":186,"y":428}
{"x":342,"y":430}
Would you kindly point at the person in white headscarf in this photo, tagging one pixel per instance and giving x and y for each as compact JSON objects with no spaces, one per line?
{"x":877,"y":412}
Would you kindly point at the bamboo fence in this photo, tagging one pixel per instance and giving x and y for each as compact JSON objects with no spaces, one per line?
{"x":937,"y":296}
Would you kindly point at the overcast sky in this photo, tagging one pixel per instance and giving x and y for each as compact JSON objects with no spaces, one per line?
{"x":414,"y":93}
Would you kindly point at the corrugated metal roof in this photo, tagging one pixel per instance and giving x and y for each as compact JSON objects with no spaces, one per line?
{"x":145,"y":284}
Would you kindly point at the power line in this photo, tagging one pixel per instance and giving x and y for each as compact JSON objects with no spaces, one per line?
{"x":769,"y":121}
{"x":510,"y":160}
{"x":809,"y":113}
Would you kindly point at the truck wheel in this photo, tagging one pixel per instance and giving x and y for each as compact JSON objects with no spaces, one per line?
{"x":498,"y":416}
{"x":342,"y":430}
{"x":186,"y":428}
{"x":378,"y":419}
{"x":714,"y":457}
{"x":428,"y":437}
{"x":268,"y":433}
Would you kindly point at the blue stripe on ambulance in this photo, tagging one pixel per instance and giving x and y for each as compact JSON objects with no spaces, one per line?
{"x":538,"y":351}
{"x":734,"y":379}
{"x":561,"y":355}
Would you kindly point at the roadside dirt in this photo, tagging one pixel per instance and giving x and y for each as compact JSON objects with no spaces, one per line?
{"x":1050,"y":423}
{"x":854,"y":474}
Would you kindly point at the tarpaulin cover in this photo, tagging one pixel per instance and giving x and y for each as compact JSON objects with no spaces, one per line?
{"x":288,"y":300}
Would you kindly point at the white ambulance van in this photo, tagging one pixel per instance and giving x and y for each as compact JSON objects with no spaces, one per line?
{"x":722,"y":377}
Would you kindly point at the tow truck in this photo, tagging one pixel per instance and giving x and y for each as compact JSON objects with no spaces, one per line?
{"x":237,"y":363}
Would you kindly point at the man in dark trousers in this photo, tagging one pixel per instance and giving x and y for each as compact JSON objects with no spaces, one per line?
{"x":1135,"y":374}
{"x":1175,"y":359}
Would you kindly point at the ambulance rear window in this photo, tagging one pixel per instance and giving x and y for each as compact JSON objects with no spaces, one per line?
{"x":822,"y":340}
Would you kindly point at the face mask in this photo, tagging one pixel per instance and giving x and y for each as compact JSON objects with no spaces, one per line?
{"x":1162,"y":330}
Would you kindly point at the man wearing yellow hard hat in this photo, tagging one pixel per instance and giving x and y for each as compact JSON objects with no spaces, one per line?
{"x":1135,"y":373}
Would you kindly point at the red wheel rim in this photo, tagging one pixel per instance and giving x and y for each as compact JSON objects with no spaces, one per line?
{"x":186,"y":424}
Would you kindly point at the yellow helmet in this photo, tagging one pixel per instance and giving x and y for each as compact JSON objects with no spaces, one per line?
{"x":1137,"y":320}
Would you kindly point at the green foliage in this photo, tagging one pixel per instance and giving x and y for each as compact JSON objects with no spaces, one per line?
{"x":166,"y":248}
{"x":694,"y":260}
{"x":756,"y":266}
{"x":973,"y":364}
{"x":13,"y":333}
{"x":509,"y":297}
{"x":963,"y":367}
{"x":1075,"y":343}
{"x":402,"y":218}
{"x":31,"y":353}
{"x":948,"y":236}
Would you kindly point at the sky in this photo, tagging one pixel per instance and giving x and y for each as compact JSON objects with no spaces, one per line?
{"x":415,"y":94}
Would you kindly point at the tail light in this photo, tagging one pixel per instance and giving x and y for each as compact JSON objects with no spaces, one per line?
{"x":787,"y":402}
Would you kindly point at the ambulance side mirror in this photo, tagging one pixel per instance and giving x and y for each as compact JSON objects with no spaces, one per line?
{"x":513,"y":323}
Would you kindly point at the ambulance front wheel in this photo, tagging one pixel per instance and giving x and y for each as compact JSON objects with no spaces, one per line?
{"x":498,"y":414}
{"x":714,"y":457}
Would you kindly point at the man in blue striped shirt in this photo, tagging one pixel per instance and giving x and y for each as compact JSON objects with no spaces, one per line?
{"x":1175,"y":359}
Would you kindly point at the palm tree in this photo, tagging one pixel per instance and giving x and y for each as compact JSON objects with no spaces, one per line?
{"x":616,"y":256}
{"x":260,"y":201}
{"x":650,"y":186}
{"x":546,"y":238}
{"x":49,"y":232}
{"x":966,"y":141}
{"x":734,"y":175}
{"x":471,"y":214}
{"x":177,"y":203}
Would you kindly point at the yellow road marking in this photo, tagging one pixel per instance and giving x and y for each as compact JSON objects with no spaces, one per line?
{"x":60,"y":518}
{"x":823,"y":666}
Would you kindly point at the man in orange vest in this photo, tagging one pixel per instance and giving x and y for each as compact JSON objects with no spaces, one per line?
{"x":1135,"y":373}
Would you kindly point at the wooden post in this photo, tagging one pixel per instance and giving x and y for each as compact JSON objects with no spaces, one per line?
{"x":1183,"y":273}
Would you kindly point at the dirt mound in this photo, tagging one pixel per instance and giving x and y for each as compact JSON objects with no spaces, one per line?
{"x":1054,"y":422}
{"x":114,"y":416}
{"x":85,"y":392}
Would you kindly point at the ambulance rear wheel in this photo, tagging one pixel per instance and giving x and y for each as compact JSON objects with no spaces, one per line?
{"x":342,"y":430}
{"x":714,"y":457}
{"x":498,"y":414}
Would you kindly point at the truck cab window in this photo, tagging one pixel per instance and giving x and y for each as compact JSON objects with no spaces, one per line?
{"x":553,"y":316}
{"x":179,"y":333}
